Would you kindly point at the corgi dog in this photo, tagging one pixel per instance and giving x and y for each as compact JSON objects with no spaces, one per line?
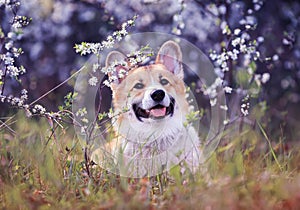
{"x":151,"y":135}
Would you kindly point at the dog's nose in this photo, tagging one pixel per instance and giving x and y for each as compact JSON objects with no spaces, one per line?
{"x":158,"y":95}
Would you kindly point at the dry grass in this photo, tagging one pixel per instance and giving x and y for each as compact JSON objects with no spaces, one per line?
{"x":38,"y":172}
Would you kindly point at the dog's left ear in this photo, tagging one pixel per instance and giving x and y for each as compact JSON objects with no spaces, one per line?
{"x":170,"y":55}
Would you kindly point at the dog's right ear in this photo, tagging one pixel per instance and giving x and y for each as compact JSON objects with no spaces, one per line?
{"x":115,"y":62}
{"x":170,"y":55}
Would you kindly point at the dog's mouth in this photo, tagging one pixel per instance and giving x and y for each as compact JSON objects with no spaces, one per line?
{"x":157,"y":112}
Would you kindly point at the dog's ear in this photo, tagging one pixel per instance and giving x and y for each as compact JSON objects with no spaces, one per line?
{"x":114,"y":60}
{"x":170,"y":55}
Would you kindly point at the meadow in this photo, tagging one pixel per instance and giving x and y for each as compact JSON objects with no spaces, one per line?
{"x":42,"y":169}
{"x":242,"y":60}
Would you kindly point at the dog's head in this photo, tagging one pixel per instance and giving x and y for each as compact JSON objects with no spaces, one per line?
{"x":154,"y":94}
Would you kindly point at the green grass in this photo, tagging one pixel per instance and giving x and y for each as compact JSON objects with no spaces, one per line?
{"x":39,"y":170}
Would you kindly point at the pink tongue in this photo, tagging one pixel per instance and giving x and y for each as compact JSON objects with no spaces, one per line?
{"x":158,"y":112}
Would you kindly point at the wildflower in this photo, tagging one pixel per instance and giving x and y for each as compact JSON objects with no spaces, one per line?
{"x":81,"y":112}
{"x":213,"y":55}
{"x":8,"y":60}
{"x":243,"y":48}
{"x":24,"y":96}
{"x":122,"y":73}
{"x":261,"y":39}
{"x":93,"y":81}
{"x":39,"y":108}
{"x":218,"y":81}
{"x":237,"y":31}
{"x":107,"y":83}
{"x":265,"y":78}
{"x":225,"y":122}
{"x":275,"y":57}
{"x":8,"y":45}
{"x":257,"y":7}
{"x":236,"y":41}
{"x":224,"y":107}
{"x":83,"y":129}
{"x":96,"y":66}
{"x":213,"y":101}
{"x":85,"y":120}
{"x":2,"y":2}
{"x":227,"y":89}
{"x":110,"y":113}
{"x":244,"y":109}
{"x":286,"y":42}
{"x":222,"y":9}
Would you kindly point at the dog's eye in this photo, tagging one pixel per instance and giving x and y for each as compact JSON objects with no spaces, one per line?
{"x":164,"y":82}
{"x":139,"y":86}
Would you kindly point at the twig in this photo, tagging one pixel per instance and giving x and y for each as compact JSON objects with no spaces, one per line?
{"x":45,"y":94}
{"x":4,"y":124}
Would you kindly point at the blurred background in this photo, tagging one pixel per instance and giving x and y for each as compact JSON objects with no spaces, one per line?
{"x":57,"y":25}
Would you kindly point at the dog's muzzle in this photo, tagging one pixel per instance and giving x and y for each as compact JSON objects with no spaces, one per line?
{"x":158,"y":110}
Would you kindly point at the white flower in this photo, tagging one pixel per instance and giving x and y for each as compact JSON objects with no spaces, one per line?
{"x":122,"y":73}
{"x":256,"y":55}
{"x":38,"y":108}
{"x":245,"y":108}
{"x":222,"y":9}
{"x":224,"y":107}
{"x":108,"y":44}
{"x":265,"y":78}
{"x":124,"y":25}
{"x":213,"y":55}
{"x":236,"y":41}
{"x":213,"y":101}
{"x":83,"y":129}
{"x":81,"y":112}
{"x":223,"y":25}
{"x":225,"y":122}
{"x":233,"y":54}
{"x":247,"y":26}
{"x":285,"y":41}
{"x":17,"y":25}
{"x":2,"y":2}
{"x":24,"y":92}
{"x":8,"y":45}
{"x":243,"y":48}
{"x":130,"y":22}
{"x":13,"y":71}
{"x":261,"y":39}
{"x":8,"y":60}
{"x":237,"y":31}
{"x":110,"y":114}
{"x":227,"y":89}
{"x":96,"y":66}
{"x":106,"y":70}
{"x":93,"y":81}
{"x":275,"y":57}
{"x":257,"y":7}
{"x":113,"y":78}
{"x":218,"y":81}
{"x":85,"y":120}
{"x":257,"y":78}
{"x":107,"y":83}
{"x":245,"y":112}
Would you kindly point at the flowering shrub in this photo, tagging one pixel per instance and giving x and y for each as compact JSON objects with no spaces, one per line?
{"x":9,"y":54}
{"x":234,"y":34}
